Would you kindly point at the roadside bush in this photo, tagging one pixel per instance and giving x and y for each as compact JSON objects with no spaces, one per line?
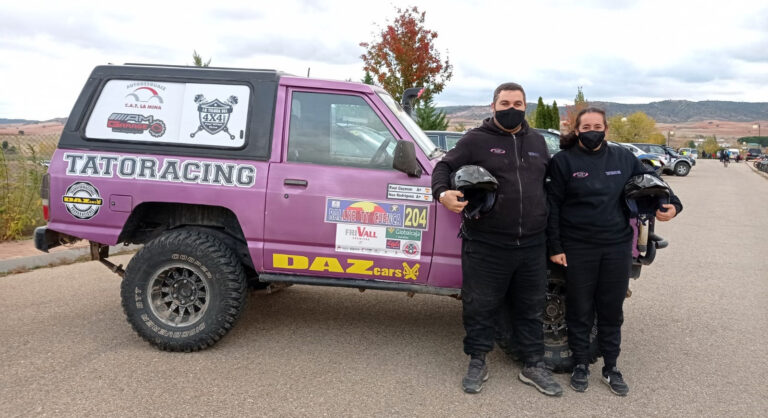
{"x":22,"y":166}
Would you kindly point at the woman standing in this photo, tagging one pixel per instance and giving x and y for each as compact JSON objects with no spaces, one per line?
{"x":590,"y":235}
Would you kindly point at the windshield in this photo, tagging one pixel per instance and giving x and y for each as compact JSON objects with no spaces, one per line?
{"x":426,"y":145}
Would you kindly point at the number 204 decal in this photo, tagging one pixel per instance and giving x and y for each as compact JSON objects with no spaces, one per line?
{"x":415,"y":217}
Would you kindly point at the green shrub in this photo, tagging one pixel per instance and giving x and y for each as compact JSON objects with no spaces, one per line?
{"x":21,"y":172}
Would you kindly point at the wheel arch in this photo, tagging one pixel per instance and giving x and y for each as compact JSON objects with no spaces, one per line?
{"x":149,"y":220}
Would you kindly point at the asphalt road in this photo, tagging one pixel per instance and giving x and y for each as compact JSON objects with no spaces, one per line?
{"x":695,"y":339}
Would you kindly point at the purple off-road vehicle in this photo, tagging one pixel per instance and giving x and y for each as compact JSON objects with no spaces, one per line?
{"x":234,"y":176}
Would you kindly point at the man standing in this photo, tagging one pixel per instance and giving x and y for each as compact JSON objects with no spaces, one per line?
{"x":505,"y":250}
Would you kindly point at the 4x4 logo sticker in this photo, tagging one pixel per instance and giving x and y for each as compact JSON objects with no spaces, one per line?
{"x":131,"y":123}
{"x":214,"y":115}
{"x":82,"y":200}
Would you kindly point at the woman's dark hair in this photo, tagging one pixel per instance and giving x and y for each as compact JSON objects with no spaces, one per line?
{"x":570,"y":139}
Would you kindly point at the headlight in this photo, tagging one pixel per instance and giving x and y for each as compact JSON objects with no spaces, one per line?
{"x":656,"y":163}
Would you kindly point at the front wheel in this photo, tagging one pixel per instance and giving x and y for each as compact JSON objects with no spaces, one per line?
{"x":183,"y":291}
{"x":682,"y":169}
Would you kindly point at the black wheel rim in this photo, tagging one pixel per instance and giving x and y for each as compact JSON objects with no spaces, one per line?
{"x":554,"y":311}
{"x":179,"y":295}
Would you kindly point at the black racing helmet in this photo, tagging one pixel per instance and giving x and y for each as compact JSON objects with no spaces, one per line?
{"x":645,"y":194}
{"x":479,"y":189}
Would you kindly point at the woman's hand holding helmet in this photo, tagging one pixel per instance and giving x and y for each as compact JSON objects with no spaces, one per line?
{"x":670,"y":212}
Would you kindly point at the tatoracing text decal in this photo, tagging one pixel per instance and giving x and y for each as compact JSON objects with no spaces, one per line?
{"x":169,"y":169}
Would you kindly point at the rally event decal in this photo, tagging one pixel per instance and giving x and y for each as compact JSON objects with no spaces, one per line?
{"x":214,"y":115}
{"x":358,"y":267}
{"x":406,"y":192}
{"x":82,"y":200}
{"x":166,"y":170}
{"x":364,"y":212}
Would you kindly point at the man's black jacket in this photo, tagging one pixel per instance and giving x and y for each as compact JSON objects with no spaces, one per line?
{"x":519,"y":163}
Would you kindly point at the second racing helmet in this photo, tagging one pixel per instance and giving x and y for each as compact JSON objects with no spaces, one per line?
{"x":645,"y":194}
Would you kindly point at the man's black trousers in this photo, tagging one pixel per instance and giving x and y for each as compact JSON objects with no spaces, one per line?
{"x":493,"y":276}
{"x":597,"y":278}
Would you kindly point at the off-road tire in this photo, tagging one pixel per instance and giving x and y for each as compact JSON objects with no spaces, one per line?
{"x":188,"y":272}
{"x":682,"y":169}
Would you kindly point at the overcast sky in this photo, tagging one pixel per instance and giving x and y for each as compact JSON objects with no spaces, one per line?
{"x":618,"y":50}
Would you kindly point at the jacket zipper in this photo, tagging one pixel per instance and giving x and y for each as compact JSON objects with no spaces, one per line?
{"x":520,"y":181}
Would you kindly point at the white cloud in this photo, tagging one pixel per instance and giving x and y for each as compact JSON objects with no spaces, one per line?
{"x":618,"y":50}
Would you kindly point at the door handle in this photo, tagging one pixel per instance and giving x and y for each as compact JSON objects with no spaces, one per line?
{"x":295,"y":182}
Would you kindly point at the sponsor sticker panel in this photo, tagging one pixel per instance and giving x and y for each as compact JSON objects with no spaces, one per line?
{"x":375,"y":240}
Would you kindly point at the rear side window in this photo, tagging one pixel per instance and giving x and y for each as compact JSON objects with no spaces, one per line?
{"x":213,"y":115}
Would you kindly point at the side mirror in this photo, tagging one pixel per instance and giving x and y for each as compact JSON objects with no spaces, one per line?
{"x":409,"y":95}
{"x":405,"y":159}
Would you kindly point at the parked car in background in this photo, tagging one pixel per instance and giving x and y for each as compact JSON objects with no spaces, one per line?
{"x":693,"y":153}
{"x":673,"y":163}
{"x":444,"y":140}
{"x":674,"y":154}
{"x":752,"y":153}
{"x":650,"y":161}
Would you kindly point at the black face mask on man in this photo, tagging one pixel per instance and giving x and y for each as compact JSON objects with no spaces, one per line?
{"x":509,"y":118}
{"x":591,"y":139}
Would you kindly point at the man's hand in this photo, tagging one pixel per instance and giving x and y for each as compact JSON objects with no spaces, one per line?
{"x":665,"y":216}
{"x":559,"y":259}
{"x":451,"y":201}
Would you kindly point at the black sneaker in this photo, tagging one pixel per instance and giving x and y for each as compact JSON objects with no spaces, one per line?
{"x":615,"y":381}
{"x":580,"y":378}
{"x":476,"y":375}
{"x":541,"y":378}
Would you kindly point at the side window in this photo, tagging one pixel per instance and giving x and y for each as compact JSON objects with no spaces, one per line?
{"x":451,"y":140}
{"x":435,"y":139}
{"x":657,"y":150}
{"x":155,"y":112}
{"x":336,"y":129}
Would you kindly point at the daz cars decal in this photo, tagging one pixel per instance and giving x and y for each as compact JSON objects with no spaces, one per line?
{"x":130,"y":123}
{"x":169,"y":169}
{"x":214,"y":115}
{"x":82,"y":200}
{"x":365,"y":212}
{"x":349,"y":266}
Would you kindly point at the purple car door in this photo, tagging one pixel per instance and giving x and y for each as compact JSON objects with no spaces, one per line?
{"x":335,"y":207}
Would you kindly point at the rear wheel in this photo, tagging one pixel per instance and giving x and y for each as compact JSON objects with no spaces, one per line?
{"x":183,"y":291}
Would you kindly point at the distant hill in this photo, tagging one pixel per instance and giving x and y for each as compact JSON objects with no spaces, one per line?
{"x":4,"y":121}
{"x":667,"y":111}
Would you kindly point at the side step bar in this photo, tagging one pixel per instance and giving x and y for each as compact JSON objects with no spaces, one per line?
{"x":363,"y":285}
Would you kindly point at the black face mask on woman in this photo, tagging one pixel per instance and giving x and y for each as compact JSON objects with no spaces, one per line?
{"x":591,"y":139}
{"x":509,"y":118}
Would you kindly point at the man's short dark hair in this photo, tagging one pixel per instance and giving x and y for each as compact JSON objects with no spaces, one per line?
{"x":508,"y":86}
